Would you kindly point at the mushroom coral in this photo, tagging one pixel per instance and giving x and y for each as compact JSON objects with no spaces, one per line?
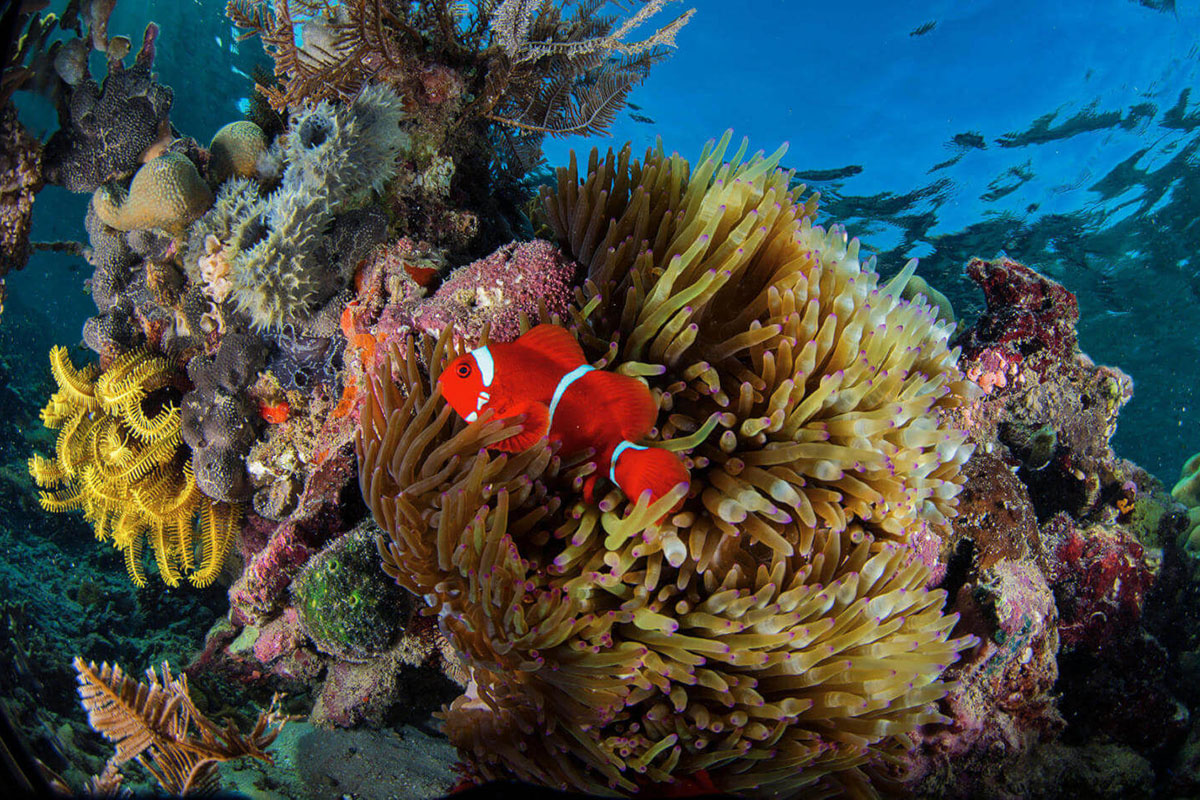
{"x":774,"y":633}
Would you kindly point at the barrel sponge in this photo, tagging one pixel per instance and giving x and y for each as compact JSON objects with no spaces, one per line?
{"x":237,"y":201}
{"x":276,"y":273}
{"x":350,"y":149}
{"x":166,"y":193}
{"x":235,"y":150}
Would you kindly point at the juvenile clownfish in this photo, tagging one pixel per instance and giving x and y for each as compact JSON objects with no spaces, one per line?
{"x":544,"y":376}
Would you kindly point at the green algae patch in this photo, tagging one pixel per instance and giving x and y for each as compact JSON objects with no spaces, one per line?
{"x":347,"y":605}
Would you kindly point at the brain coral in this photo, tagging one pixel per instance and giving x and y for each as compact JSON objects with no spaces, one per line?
{"x":775,"y":632}
{"x":166,"y":193}
{"x":235,"y":150}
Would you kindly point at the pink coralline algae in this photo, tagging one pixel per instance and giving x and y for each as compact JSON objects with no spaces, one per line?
{"x":279,"y":637}
{"x":497,"y":289}
{"x":1028,"y":315}
{"x":274,"y":554}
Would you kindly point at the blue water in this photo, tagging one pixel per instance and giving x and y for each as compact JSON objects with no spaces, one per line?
{"x":1086,"y":164}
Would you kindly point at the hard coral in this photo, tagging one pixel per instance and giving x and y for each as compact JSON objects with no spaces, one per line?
{"x":104,"y":130}
{"x":1002,"y":698}
{"x":235,"y":150}
{"x":167,"y":193}
{"x":120,"y":460}
{"x":497,"y":290}
{"x":776,"y":633}
{"x":1187,"y":491}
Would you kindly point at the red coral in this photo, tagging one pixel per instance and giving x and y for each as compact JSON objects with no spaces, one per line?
{"x":1101,"y":580}
{"x":1027,"y":314}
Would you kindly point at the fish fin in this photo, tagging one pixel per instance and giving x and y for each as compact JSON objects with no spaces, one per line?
{"x":589,"y":489}
{"x":651,"y":468}
{"x":627,"y":399}
{"x":537,"y":423}
{"x":554,"y":343}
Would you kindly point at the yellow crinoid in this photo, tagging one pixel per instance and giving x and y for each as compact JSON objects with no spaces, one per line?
{"x":120,"y":459}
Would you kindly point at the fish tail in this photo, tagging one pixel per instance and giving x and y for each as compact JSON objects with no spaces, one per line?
{"x":637,"y":468}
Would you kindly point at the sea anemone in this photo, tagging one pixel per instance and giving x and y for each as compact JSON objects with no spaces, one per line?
{"x":774,"y":632}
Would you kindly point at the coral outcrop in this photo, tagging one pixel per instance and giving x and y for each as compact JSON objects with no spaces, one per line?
{"x":20,"y":181}
{"x":1052,"y":407}
{"x":775,"y":634}
{"x":498,"y":289}
{"x":278,"y":258}
{"x":120,"y":459}
{"x":1054,"y":563}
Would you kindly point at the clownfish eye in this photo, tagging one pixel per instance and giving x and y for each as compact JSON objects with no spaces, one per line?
{"x":464,"y":370}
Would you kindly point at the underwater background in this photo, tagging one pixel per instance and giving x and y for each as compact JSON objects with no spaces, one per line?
{"x":1062,"y":136}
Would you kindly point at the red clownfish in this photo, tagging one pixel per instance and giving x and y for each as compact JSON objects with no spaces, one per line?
{"x":544,"y":376}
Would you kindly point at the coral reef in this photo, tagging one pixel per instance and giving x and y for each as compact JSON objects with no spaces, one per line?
{"x":119,"y":459}
{"x":277,"y":259}
{"x":1052,"y":408}
{"x":526,"y":51}
{"x":166,"y":193}
{"x":1054,"y":563}
{"x":756,"y":634}
{"x":219,"y":419}
{"x":482,"y":84}
{"x":105,"y":129}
